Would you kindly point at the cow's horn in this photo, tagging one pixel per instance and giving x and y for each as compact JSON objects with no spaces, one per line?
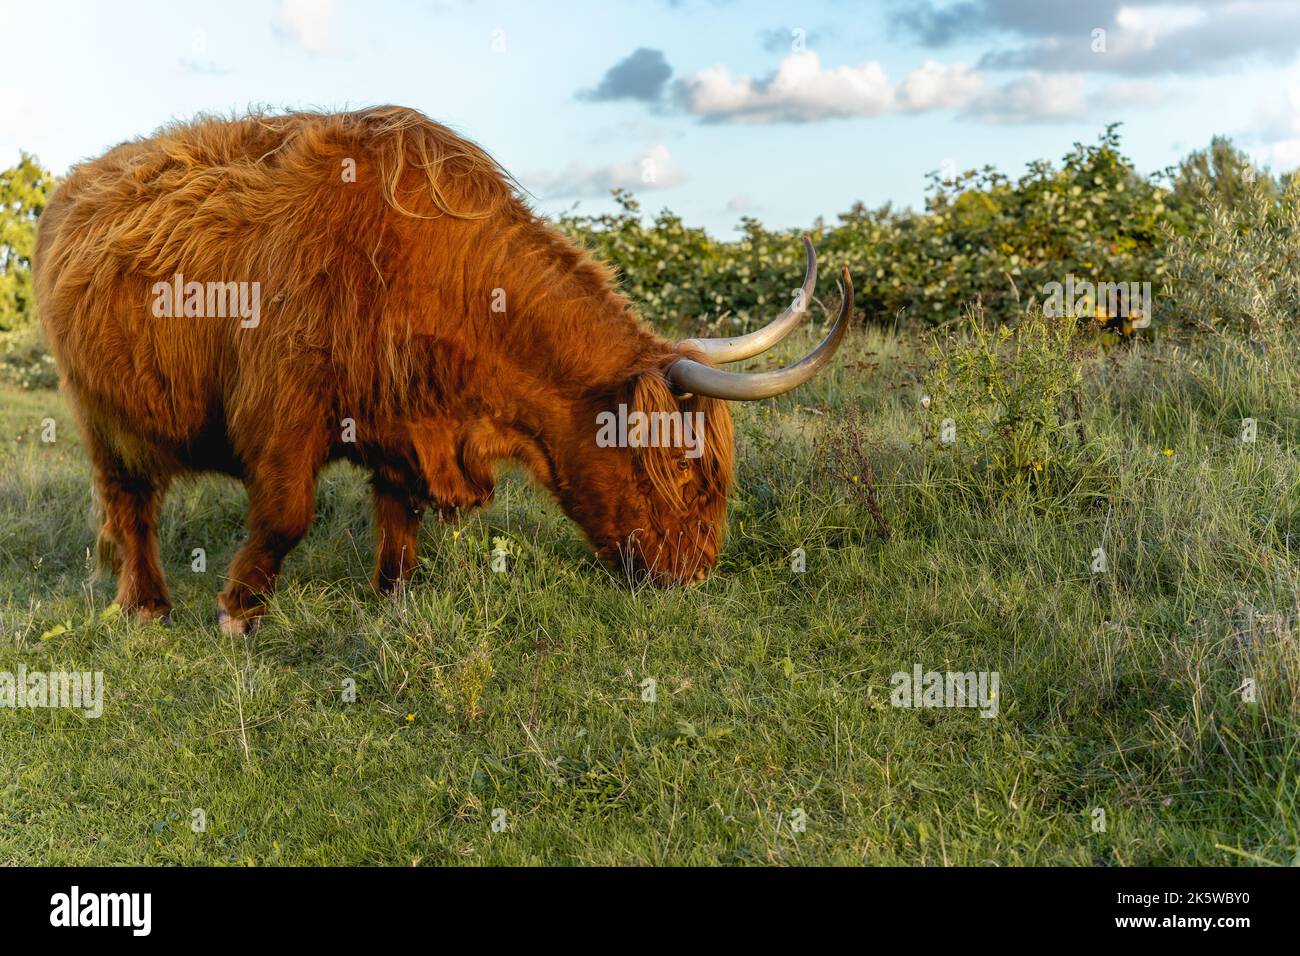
{"x":760,"y":340}
{"x":686,"y":375}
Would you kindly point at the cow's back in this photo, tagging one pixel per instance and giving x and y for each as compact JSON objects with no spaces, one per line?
{"x":335,"y":222}
{"x":266,"y":203}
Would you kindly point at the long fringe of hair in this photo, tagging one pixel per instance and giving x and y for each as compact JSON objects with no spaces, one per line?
{"x":651,"y":394}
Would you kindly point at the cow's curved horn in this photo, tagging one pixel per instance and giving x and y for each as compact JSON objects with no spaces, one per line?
{"x":760,"y":340}
{"x":686,"y":375}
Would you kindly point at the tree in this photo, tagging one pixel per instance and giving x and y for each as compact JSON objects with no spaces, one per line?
{"x":1226,"y":171}
{"x":24,"y":191}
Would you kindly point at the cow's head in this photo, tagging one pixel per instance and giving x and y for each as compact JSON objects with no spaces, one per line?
{"x":652,"y":495}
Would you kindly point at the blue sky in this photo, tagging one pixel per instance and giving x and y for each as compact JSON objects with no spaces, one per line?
{"x":784,"y":111}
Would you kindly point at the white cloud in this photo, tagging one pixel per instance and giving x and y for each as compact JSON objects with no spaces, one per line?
{"x":1183,"y":37}
{"x":1277,"y":131}
{"x":655,"y":169}
{"x":936,"y":86}
{"x":1033,"y":98}
{"x":1129,"y":93}
{"x":307,"y":23}
{"x":1144,"y":26}
{"x":1284,"y":154}
{"x":802,"y":91}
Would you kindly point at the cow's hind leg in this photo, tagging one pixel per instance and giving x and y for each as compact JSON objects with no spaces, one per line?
{"x":281,"y":505}
{"x":129,"y":534}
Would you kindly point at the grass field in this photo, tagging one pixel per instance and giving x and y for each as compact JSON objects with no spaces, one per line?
{"x":1122,"y":736}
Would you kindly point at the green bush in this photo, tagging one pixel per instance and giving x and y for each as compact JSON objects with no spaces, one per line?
{"x":982,"y":238}
{"x":1002,"y":401}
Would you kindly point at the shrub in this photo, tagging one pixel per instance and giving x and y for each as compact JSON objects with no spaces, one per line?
{"x":25,"y":361}
{"x":981,"y":238}
{"x":1001,"y":399}
{"x":1239,"y":269}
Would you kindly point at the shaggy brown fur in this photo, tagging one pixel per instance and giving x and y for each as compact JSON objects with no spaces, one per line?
{"x":376,"y":307}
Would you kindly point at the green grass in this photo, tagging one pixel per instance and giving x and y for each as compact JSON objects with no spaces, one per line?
{"x":524,"y":691}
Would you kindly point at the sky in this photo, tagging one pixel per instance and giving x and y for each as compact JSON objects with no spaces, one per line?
{"x":715,"y":109}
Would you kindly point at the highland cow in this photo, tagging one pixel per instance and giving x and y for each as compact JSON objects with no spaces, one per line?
{"x":414,"y":316}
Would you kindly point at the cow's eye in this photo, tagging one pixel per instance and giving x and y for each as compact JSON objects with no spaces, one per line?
{"x":683,"y":464}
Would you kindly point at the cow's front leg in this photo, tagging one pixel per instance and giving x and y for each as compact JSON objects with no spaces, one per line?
{"x":282,"y":503}
{"x":397,"y":531}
